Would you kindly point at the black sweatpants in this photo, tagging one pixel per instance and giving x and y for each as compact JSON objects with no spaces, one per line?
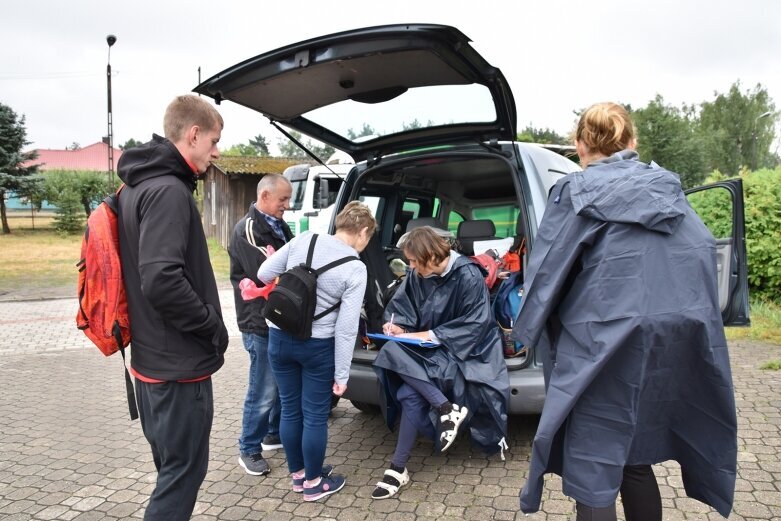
{"x":176,"y":419}
{"x":639,"y":495}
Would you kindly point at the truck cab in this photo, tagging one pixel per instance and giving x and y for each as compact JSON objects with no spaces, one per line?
{"x":315,"y":189}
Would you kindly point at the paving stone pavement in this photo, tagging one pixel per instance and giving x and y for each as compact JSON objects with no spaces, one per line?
{"x":69,"y":451}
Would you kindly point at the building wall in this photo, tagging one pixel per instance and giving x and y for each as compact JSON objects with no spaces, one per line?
{"x":226,"y":198}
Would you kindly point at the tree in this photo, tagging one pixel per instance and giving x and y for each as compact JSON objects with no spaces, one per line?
{"x":762,"y":199}
{"x":240,"y":150}
{"x":289,"y":149}
{"x":32,"y":189}
{"x":69,"y":218}
{"x":668,"y":136}
{"x":735,"y":131}
{"x":260,"y":144}
{"x":542,"y":135}
{"x":322,"y":151}
{"x":130,"y":143}
{"x":87,"y":187}
{"x":13,"y":137}
{"x":257,"y":146}
{"x":366,"y":130}
{"x":73,"y":146}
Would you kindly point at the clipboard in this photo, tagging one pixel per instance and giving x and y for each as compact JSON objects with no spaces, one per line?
{"x":404,"y":340}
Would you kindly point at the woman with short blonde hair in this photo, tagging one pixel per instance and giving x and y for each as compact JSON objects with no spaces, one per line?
{"x":309,"y":371}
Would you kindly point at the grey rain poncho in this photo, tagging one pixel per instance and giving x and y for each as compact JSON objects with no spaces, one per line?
{"x":621,"y":300}
{"x":468,"y":367}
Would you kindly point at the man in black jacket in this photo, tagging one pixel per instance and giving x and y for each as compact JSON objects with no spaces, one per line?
{"x":178,"y":335}
{"x":254,"y":233}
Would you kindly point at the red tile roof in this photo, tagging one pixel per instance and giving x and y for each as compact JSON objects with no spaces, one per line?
{"x":93,"y":157}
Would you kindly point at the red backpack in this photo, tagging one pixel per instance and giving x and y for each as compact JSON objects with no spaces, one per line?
{"x":491,"y":266}
{"x":102,"y":313}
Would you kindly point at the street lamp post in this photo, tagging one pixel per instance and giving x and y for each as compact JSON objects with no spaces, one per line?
{"x":111,"y":40}
{"x":754,"y":139}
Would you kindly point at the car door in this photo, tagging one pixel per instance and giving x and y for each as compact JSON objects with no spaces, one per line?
{"x":720,"y":206}
{"x":414,"y":85}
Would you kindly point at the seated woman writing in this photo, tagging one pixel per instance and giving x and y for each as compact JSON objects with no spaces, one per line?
{"x":462,"y":379}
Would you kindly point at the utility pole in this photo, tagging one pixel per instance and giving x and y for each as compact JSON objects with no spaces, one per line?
{"x":111,"y":40}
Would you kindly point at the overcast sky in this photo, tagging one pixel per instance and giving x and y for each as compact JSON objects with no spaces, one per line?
{"x":558,"y":56}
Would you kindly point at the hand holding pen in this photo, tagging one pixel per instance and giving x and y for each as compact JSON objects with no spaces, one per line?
{"x":389,"y":328}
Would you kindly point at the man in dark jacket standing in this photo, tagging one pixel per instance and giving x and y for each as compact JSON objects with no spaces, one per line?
{"x":178,"y":335}
{"x":254,"y":233}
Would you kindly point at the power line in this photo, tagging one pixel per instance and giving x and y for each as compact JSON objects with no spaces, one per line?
{"x":47,"y":75}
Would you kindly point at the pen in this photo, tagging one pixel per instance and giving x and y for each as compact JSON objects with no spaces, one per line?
{"x":390,"y":324}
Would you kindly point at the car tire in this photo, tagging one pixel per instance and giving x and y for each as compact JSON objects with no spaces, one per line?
{"x":368,"y":408}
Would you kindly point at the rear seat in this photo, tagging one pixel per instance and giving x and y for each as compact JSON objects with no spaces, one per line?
{"x":424,"y":221}
{"x":471,"y":231}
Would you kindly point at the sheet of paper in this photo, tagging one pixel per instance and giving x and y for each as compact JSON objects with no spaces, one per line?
{"x":412,"y":341}
{"x":501,"y":246}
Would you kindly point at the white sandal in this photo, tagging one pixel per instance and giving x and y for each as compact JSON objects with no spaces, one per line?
{"x":391,"y":482}
{"x":448,"y":425}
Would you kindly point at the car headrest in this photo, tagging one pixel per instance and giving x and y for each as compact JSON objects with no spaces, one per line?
{"x":476,"y":228}
{"x":423,"y":221}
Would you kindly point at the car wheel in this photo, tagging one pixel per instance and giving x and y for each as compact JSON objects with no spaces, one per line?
{"x":368,"y":408}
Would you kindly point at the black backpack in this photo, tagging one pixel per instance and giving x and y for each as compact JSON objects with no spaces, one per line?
{"x":291,"y":304}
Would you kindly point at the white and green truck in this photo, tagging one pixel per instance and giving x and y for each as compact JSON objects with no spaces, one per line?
{"x":314,"y":193}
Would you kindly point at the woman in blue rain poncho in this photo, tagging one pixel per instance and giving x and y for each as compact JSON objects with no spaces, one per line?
{"x":622,"y":303}
{"x":443,"y":299}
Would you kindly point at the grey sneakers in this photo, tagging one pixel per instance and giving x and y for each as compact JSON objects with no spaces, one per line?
{"x":254,"y":464}
{"x":271,"y":442}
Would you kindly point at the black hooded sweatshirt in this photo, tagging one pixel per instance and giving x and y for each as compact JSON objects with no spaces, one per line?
{"x":176,"y":322}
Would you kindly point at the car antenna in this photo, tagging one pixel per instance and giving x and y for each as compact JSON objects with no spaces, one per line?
{"x":302,"y":147}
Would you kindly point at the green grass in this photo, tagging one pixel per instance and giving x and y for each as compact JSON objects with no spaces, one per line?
{"x":220,"y":261}
{"x":765,"y":324}
{"x":772,"y":365}
{"x":34,"y":260}
{"x":40,"y":258}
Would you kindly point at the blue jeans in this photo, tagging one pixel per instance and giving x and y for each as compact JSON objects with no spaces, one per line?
{"x":261,"y":405}
{"x":304,"y":370}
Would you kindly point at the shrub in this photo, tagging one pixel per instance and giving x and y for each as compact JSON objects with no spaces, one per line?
{"x":70,"y":215}
{"x":762,"y":196}
{"x":89,"y":187}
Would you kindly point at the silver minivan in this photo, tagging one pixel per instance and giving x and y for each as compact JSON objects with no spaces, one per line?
{"x":443,"y":153}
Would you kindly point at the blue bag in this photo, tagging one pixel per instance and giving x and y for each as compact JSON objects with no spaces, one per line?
{"x":507,"y":304}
